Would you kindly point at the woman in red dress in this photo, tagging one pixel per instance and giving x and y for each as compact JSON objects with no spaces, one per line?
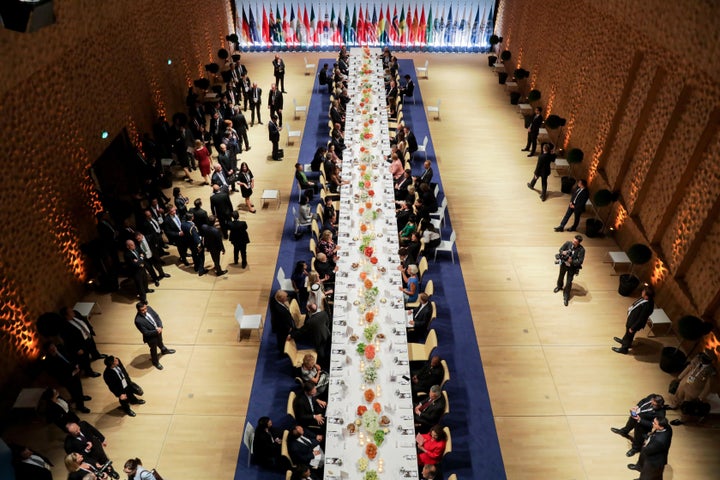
{"x":202,"y":156}
{"x":431,"y":446}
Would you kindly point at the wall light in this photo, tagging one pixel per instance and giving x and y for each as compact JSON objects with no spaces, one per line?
{"x":104,"y":134}
{"x":169,"y":61}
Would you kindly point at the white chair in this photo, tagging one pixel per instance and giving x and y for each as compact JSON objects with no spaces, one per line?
{"x":298,"y":223}
{"x":292,"y":134}
{"x":270,"y":195}
{"x":446,"y":246}
{"x":247,"y":322}
{"x":284,"y":282}
{"x":309,"y":67}
{"x":440,"y":214}
{"x":435,"y":109}
{"x":299,"y":109}
{"x":423,"y":147}
{"x":248,"y":439}
{"x":423,"y":70}
{"x":86,"y":309}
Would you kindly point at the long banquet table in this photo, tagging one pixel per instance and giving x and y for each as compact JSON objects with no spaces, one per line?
{"x":370,"y":428}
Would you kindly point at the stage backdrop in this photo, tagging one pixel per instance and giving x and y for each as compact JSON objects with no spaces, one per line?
{"x":434,"y":25}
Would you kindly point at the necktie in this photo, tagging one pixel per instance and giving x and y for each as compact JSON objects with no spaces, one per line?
{"x":119,"y":373}
{"x":155,"y":225}
{"x":425,"y":405}
{"x":577,"y":194}
{"x":312,"y":407}
{"x":151,"y":319}
{"x":80,"y":325}
{"x":177,"y":221}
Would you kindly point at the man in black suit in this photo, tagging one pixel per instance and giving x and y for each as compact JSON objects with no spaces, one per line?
{"x":402,"y":184}
{"x":150,"y":325}
{"x":316,"y":329}
{"x":152,"y":230}
{"x":578,"y":199}
{"x":408,"y":89}
{"x":239,"y":123}
{"x":255,"y":96}
{"x":194,"y":242}
{"x":30,"y":465}
{"x":305,"y":448}
{"x":63,"y":367}
{"x":153,"y":263}
{"x":87,"y":440}
{"x":222,"y":208}
{"x":542,"y":170}
{"x":429,"y":412}
{"x":427,"y":175}
{"x":325,"y":269}
{"x":654,"y":454}
{"x":411,"y":141}
{"x":309,"y":411}
{"x":213,"y":241}
{"x":77,"y":334}
{"x":239,"y":238}
{"x":430,"y":374}
{"x":120,"y":384}
{"x":227,"y":165}
{"x":279,"y":72}
{"x":173,"y":229}
{"x":533,"y":132}
{"x":220,"y":179}
{"x":274,"y":137}
{"x":570,"y":258}
{"x":135,"y":263}
{"x":275,"y":103}
{"x":421,"y":319}
{"x":637,"y":318}
{"x":280,"y":318}
{"x":200,"y":216}
{"x":641,"y":420}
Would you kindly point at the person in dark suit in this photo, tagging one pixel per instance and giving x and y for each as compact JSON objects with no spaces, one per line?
{"x":316,"y":329}
{"x":227,"y":165}
{"x":533,"y":132}
{"x":392,"y":94}
{"x":570,"y":258}
{"x":218,"y":178}
{"x":173,"y":229}
{"x":637,"y":318}
{"x":336,"y":115}
{"x":240,"y":125}
{"x":194,"y":243}
{"x":221,"y":206}
{"x":654,"y":454}
{"x":77,"y":334}
{"x":120,"y":384}
{"x":239,"y":238}
{"x":135,"y":262}
{"x":213,"y":241}
{"x":152,"y":229}
{"x":411,"y":141}
{"x":30,"y":465}
{"x":309,"y":411}
{"x":304,"y":447}
{"x":641,"y":420}
{"x":255,"y":96}
{"x":542,"y":170}
{"x":421,"y":319}
{"x":87,"y":440}
{"x":275,"y":103}
{"x":402,"y":184}
{"x":427,"y":175}
{"x":280,"y":318}
{"x":63,"y":367}
{"x":428,"y":375}
{"x":266,"y":444}
{"x":429,"y":412}
{"x":153,"y":263}
{"x":150,"y":325}
{"x":57,"y":409}
{"x":408,"y":89}
{"x":279,"y":72}
{"x":245,"y":88}
{"x":200,"y":215}
{"x":578,"y":199}
{"x":274,"y":137}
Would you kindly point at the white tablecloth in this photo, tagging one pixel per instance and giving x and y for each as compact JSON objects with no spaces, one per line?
{"x":367,"y":218}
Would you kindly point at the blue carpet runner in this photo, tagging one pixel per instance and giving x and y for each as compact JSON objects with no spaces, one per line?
{"x":476,"y":451}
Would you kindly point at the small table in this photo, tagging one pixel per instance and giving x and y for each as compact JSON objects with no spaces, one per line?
{"x":618,"y":258}
{"x":270,"y":195}
{"x":659,"y":317}
{"x":511,"y":86}
{"x":525,"y":109}
{"x":86,"y":309}
{"x":28,"y":398}
{"x":561,"y":163}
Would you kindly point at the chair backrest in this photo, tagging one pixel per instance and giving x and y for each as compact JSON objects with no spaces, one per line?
{"x":427,"y":62}
{"x":443,"y":204}
{"x":448,"y":443}
{"x":249,"y":436}
{"x":296,"y":314}
{"x":313,"y":247}
{"x":452,"y":237}
{"x":305,"y":60}
{"x":239,"y":312}
{"x":294,"y":101}
{"x":291,"y":350}
{"x":439,"y":101}
{"x":281,"y":274}
{"x":288,"y":475}
{"x":284,"y":448}
{"x":295,"y":212}
{"x":315,"y":229}
{"x":452,"y":477}
{"x":447,"y":403}
{"x":429,"y":288}
{"x":425,"y":142}
{"x":422,"y":267}
{"x":290,"y":407}
{"x":431,"y":342}
{"x":446,"y":373}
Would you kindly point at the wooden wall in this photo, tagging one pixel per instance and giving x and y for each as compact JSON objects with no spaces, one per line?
{"x":638,"y":84}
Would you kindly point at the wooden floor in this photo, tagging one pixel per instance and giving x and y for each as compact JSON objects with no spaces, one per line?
{"x":556,"y":388}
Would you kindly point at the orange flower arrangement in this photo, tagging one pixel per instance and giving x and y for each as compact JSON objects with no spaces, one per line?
{"x":369,"y":316}
{"x":377,"y":407}
{"x":363,"y":228}
{"x":371,"y":451}
{"x":369,"y":395}
{"x":361,"y":210}
{"x":369,"y":354}
{"x":361,"y":409}
{"x":363,"y":275}
{"x":368,"y":205}
{"x":363,"y":167}
{"x":368,"y":283}
{"x":373,"y":260}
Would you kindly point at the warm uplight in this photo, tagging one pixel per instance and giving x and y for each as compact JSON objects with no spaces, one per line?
{"x":712,"y":343}
{"x":659,"y":273}
{"x":594,"y":162}
{"x":15,"y":326}
{"x":620,"y":217}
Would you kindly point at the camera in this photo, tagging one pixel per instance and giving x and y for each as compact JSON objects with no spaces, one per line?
{"x":561,"y":257}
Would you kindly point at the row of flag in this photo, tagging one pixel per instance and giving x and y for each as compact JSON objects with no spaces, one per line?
{"x":314,"y":24}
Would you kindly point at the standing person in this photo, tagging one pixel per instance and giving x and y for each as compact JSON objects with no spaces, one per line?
{"x":533,"y":132}
{"x":221,"y":207}
{"x":120,"y":384}
{"x":200,"y":215}
{"x":280,"y":318}
{"x":239,"y":239}
{"x":542,"y":170}
{"x":279,"y":72}
{"x":85,"y":439}
{"x":246,"y":180}
{"x":408,"y":90}
{"x":135,"y":471}
{"x":202,"y":156}
{"x":576,"y":206}
{"x":64,"y":368}
{"x":153,"y":263}
{"x":654,"y":454}
{"x":240,"y":125}
{"x":194,"y":242}
{"x":570,"y":258}
{"x":275,"y":103}
{"x":213,"y":241}
{"x":77,"y":334}
{"x":30,"y":465}
{"x":219,"y":178}
{"x":227,"y":165}
{"x":135,"y":262}
{"x":151,"y":326}
{"x":274,"y":137}
{"x":266,"y":444}
{"x":245,"y":87}
{"x":255,"y":100}
{"x":637,"y":317}
{"x":640,"y":420}
{"x":173,"y":229}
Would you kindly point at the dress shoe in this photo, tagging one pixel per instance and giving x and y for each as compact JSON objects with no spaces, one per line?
{"x":247,"y":148}
{"x":158,"y":366}
{"x":82,"y":409}
{"x":260,"y":123}
{"x":633,"y":466}
{"x":566,"y":300}
{"x":531,"y":155}
{"x":157,"y":283}
{"x":130,"y":413}
{"x":630,"y":453}
{"x":138,"y":401}
{"x":676,"y":422}
{"x":543,"y":197}
{"x":284,"y":91}
{"x":166,"y":275}
{"x":529,"y":186}
{"x":186,"y":263}
{"x":557,"y":289}
{"x":87,"y":398}
{"x":168,"y":351}
{"x":221,"y":272}
{"x":244,"y":265}
{"x":620,"y":432}
{"x":202,"y":272}
{"x":524,"y":149}
{"x":150,"y":290}
{"x":619,"y":350}
{"x":618,"y":339}
{"x":558,"y":229}
{"x":92,"y":374}
{"x":571,"y":229}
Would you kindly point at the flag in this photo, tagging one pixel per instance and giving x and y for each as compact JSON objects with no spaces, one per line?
{"x":460,"y":35}
{"x":287,"y":35}
{"x":254,"y":34}
{"x":265,"y":28}
{"x":271,"y":27}
{"x":335,"y":28}
{"x":488,"y":27}
{"x":401,"y":26}
{"x":360,"y":28}
{"x":373,"y":27}
{"x":395,"y":30}
{"x":312,"y":29}
{"x":346,"y":27}
{"x":388,"y":26}
{"x":353,"y":30}
{"x":246,"y":28}
{"x":429,"y":28}
{"x":307,"y":26}
{"x":449,"y":28}
{"x":415,"y":27}
{"x":440,"y":28}
{"x":382,"y":38}
{"x":422,"y":28}
{"x":407,"y":26}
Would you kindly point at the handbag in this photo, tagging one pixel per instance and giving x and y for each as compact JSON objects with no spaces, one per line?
{"x":232,"y":178}
{"x":157,"y":475}
{"x":674,"y":384}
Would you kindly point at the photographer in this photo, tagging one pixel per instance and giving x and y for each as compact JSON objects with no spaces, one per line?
{"x":641,"y":421}
{"x":570,"y":258}
{"x":135,"y":471}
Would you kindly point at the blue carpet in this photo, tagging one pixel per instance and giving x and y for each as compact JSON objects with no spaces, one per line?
{"x":476,"y":451}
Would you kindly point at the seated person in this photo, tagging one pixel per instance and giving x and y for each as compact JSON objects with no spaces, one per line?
{"x":303,"y":179}
{"x":266,"y":444}
{"x":310,"y":371}
{"x":429,"y":412}
{"x":305,"y":449}
{"x":309,"y":411}
{"x":421,"y":318}
{"x":428,"y":375}
{"x":30,"y":465}
{"x":408,"y":89}
{"x":303,"y":472}
{"x":431,"y":446}
{"x":325,"y":269}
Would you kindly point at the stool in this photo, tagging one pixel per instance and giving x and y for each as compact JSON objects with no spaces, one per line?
{"x":659,"y":317}
{"x":86,"y":309}
{"x":618,"y":258}
{"x":270,"y":195}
